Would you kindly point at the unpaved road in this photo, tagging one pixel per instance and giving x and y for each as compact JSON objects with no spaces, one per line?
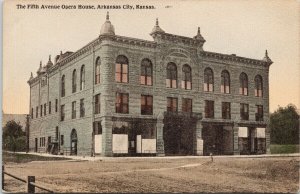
{"x":161,"y":175}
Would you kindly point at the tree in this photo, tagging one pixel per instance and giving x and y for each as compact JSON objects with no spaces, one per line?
{"x":284,"y":125}
{"x":13,"y":136}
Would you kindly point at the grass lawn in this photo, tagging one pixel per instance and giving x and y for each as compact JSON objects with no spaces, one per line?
{"x":284,"y":149}
{"x":23,"y":158}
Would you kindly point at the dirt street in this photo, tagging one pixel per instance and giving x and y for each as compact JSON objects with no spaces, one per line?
{"x":161,"y":175}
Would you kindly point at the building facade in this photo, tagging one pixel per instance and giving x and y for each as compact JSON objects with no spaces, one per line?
{"x":125,"y":96}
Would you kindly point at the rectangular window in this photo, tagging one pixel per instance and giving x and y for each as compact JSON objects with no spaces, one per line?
{"x":122,"y":100}
{"x":37,"y":112}
{"x":209,"y":109}
{"x":41,"y":112}
{"x":56,"y":105}
{"x":74,"y":110}
{"x":45,"y":109}
{"x":259,"y":115}
{"x":244,"y":111}
{"x":97,"y":104}
{"x":172,"y":104}
{"x":187,"y":105}
{"x":82,"y":110}
{"x":49,"y":139}
{"x":146,"y":105}
{"x":32,"y":113}
{"x":62,"y":112}
{"x":61,"y":139}
{"x":49,"y":107}
{"x":56,"y":133}
{"x":97,"y":128}
{"x":226,"y":113}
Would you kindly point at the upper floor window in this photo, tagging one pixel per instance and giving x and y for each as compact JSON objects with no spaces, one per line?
{"x":186,"y":82}
{"x":56,"y":105}
{"x":122,"y":100}
{"x":63,"y":87}
{"x":244,"y":84}
{"x":258,"y":86}
{"x":244,"y":111}
{"x":74,"y":110}
{"x":146,"y":105}
{"x":208,"y":80}
{"x":32,"y":113}
{"x":187,"y":105}
{"x":171,"y":80}
{"x":82,"y":77}
{"x":49,"y":107}
{"x":225,"y":82}
{"x":146,"y":72}
{"x":172,"y":104}
{"x":122,"y":69}
{"x":97,"y":104}
{"x":209,"y":109}
{"x":62,"y":112}
{"x":82,"y":109}
{"x":226,"y":113}
{"x":37,"y":112}
{"x":45,"y":109}
{"x":41,"y":112}
{"x":259,"y":114}
{"x":97,"y":70}
{"x":74,"y":78}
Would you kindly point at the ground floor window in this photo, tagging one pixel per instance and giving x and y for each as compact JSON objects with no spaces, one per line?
{"x":209,"y":109}
{"x":172,"y":104}
{"x":187,"y":105}
{"x":226,"y":113}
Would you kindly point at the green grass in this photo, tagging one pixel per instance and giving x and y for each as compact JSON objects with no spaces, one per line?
{"x":23,"y":158}
{"x":284,"y":149}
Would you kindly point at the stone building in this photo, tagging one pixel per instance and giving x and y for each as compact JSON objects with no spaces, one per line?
{"x":126,"y":96}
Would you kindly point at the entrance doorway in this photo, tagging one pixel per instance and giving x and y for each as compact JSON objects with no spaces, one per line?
{"x":73,"y":142}
{"x":36,"y":145}
{"x":178,"y":133}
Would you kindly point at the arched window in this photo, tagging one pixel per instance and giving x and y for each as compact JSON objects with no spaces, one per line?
{"x":186,"y":82}
{"x":225,"y":82}
{"x":208,"y":80}
{"x":74,"y":77}
{"x":82,"y":77}
{"x":74,"y":141}
{"x":243,"y":84}
{"x":63,"y":87}
{"x":97,"y":70}
{"x":146,"y":72}
{"x":258,"y":86}
{"x":171,"y":80}
{"x":121,"y":69}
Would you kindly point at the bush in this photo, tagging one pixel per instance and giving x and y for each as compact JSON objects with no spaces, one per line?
{"x":284,"y":149}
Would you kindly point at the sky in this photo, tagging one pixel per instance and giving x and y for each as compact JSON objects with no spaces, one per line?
{"x":244,"y":28}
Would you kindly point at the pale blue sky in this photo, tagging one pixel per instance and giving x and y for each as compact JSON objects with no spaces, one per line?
{"x":245,"y":28}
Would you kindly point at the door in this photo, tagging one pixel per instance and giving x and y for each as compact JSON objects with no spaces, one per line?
{"x":73,"y":142}
{"x":131,"y":142}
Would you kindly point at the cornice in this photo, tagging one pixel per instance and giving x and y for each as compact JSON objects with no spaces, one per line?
{"x":129,"y":40}
{"x":234,"y":58}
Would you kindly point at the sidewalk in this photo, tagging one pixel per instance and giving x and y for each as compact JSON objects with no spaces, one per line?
{"x":98,"y":158}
